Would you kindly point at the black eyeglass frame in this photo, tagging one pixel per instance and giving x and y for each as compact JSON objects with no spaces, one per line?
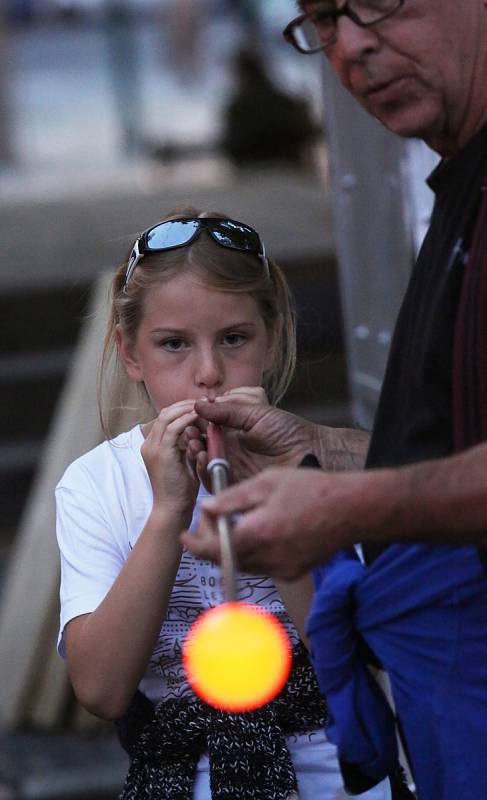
{"x":289,"y":35}
{"x":142,"y":246}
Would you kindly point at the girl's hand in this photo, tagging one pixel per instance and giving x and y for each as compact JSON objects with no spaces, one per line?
{"x":255,"y":395}
{"x":174,"y":485}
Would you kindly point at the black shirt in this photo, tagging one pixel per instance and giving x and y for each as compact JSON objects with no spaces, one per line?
{"x":414,"y":416}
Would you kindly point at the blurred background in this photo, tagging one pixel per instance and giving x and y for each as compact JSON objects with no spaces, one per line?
{"x":111,"y":113}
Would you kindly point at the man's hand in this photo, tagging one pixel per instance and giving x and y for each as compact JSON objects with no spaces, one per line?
{"x":262,"y":435}
{"x":293,"y":519}
{"x":289,"y":520}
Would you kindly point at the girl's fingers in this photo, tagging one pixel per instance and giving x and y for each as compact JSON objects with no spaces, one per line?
{"x":250,"y":394}
{"x":244,"y":398}
{"x":189,"y":435}
{"x":246,"y":389}
{"x":192,"y":432}
{"x":166,"y":433}
{"x":193,"y":448}
{"x":175,"y":410}
{"x":169,"y":415}
{"x":190,"y":466}
{"x":201,"y":468}
{"x":176,"y":427}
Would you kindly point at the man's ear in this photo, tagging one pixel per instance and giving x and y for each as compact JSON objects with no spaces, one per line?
{"x":128,"y":356}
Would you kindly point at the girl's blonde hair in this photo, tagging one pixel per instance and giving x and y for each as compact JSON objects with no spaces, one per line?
{"x":216,"y":267}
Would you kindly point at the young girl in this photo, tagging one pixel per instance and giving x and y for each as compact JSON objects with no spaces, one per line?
{"x":198,"y":310}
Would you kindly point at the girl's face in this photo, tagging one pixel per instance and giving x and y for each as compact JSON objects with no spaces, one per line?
{"x":194,"y":341}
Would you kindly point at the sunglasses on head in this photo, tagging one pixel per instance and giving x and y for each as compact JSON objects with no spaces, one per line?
{"x":174,"y":233}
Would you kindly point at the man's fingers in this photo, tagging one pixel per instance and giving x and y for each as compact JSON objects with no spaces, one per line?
{"x":242,"y":497}
{"x":204,"y":544}
{"x":242,"y":416}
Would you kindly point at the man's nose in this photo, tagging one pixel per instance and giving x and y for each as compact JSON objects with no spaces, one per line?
{"x":353,"y":42}
{"x":209,"y":369}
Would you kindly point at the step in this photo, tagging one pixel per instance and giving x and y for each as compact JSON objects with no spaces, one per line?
{"x":46,"y":319}
{"x":27,"y":405}
{"x":22,"y":366}
{"x":14,"y":489}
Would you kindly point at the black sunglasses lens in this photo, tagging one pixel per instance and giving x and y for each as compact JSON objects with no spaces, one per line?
{"x":172,"y":233}
{"x":235,"y":235}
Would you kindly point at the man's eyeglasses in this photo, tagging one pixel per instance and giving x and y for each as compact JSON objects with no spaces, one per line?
{"x":316,"y":29}
{"x":174,"y":233}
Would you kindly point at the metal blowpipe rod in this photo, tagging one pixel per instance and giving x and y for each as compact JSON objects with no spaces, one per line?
{"x":219,"y":471}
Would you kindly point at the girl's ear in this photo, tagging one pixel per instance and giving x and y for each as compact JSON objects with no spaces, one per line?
{"x":128,"y":356}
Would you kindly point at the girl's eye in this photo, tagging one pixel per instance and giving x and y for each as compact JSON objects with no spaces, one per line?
{"x":234,"y":339}
{"x":174,"y":344}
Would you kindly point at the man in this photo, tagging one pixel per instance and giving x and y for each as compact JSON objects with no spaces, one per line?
{"x":420,"y":506}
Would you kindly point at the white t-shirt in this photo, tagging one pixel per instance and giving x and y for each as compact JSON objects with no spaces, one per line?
{"x":103,"y":502}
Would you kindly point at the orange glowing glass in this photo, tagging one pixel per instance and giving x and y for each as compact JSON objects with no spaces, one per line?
{"x":237,"y":657}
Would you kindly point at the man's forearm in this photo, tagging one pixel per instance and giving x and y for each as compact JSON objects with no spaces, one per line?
{"x":442,"y":501}
{"x":294,"y":519}
{"x":340,"y":449}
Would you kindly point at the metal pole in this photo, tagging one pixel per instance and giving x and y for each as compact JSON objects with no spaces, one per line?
{"x":219,"y":476}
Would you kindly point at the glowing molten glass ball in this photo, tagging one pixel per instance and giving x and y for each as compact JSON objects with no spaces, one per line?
{"x":237,"y":657}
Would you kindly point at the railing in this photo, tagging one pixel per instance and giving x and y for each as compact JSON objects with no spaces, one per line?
{"x":34,"y":686}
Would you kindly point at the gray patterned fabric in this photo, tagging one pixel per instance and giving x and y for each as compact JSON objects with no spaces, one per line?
{"x":248,"y":756}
